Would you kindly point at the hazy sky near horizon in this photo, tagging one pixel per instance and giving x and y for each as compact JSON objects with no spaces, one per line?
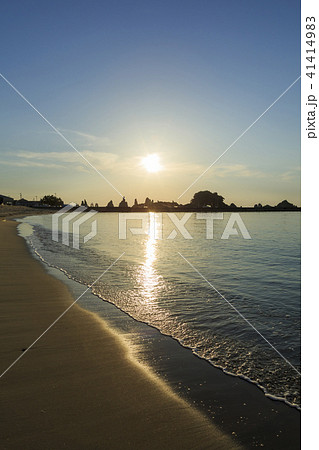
{"x":124,"y":79}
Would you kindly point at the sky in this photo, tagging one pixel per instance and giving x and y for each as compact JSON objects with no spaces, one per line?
{"x":122,"y":80}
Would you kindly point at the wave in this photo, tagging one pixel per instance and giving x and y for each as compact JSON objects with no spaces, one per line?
{"x":233,"y":357}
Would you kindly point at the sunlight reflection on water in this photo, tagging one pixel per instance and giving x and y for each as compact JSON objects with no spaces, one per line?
{"x":153,"y":284}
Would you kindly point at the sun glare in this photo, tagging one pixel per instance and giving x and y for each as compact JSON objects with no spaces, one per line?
{"x":152,"y":163}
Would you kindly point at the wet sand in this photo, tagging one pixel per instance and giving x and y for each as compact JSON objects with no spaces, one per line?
{"x":79,"y":386}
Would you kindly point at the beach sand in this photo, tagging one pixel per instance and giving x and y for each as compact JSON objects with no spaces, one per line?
{"x":79,"y":386}
{"x":13,"y":211}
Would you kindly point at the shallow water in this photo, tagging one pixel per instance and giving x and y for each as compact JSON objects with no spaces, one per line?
{"x":234,"y":302}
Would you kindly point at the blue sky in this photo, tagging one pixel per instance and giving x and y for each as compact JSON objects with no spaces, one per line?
{"x":124,"y":79}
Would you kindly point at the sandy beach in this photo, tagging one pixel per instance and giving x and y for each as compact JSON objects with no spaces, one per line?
{"x":13,"y":211}
{"x":78,"y":386}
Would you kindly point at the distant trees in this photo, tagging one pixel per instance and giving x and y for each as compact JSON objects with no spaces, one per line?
{"x":201,"y":200}
{"x":92,"y":205}
{"x":148,"y":202}
{"x":123,"y":203}
{"x":282,"y":206}
{"x":286,"y":205}
{"x":207,"y":198}
{"x":51,"y":200}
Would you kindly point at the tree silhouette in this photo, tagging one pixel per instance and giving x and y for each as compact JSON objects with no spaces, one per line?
{"x":207,"y":198}
{"x":123,"y":203}
{"x":148,"y":202}
{"x":51,"y":200}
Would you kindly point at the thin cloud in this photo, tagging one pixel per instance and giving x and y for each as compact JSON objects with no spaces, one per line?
{"x":222,"y":171}
{"x":90,"y":139}
{"x":101,"y":160}
{"x":238,"y":170}
{"x":131,"y":166}
{"x":291,"y":174}
{"x":32,"y":164}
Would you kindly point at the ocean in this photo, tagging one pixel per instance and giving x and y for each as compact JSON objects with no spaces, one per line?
{"x":233,"y":302}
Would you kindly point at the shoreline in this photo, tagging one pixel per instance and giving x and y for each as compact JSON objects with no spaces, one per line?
{"x":237,"y":406}
{"x":14,"y":212}
{"x":66,"y":392}
{"x":21,"y":211}
{"x":66,"y":279}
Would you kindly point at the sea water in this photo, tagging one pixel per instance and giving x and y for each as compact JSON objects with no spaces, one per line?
{"x":235,"y":302}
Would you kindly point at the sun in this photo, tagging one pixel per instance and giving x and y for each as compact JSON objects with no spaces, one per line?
{"x":152,"y":163}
